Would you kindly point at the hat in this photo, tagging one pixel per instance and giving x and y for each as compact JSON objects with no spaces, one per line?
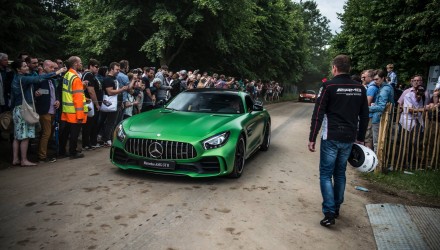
{"x":183,"y":72}
{"x":157,"y":80}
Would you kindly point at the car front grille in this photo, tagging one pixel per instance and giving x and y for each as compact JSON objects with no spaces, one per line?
{"x":158,"y":149}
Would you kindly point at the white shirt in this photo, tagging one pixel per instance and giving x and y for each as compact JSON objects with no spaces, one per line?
{"x":409,"y":120}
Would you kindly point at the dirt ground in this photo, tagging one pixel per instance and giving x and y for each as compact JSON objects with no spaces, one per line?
{"x":90,"y":204}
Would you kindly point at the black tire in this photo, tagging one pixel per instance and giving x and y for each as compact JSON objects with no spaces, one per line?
{"x":266,"y":141}
{"x":239,"y":160}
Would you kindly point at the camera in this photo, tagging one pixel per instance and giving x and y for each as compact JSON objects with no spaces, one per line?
{"x":106,"y":103}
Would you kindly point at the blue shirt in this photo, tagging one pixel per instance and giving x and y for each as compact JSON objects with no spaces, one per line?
{"x":393,"y":77}
{"x":386,"y":95}
{"x":26,"y":82}
{"x":372,"y":90}
{"x":123,"y":81}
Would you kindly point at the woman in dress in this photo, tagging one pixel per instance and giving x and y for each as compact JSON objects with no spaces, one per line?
{"x":23,"y":131}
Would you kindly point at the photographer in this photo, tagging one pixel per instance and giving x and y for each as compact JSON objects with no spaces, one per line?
{"x":160,"y":91}
{"x":130,"y":97}
{"x":411,"y":118}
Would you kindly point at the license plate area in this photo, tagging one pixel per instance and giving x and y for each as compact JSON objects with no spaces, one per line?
{"x":167,"y":165}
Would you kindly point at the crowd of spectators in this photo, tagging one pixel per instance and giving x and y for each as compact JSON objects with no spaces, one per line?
{"x":50,"y":84}
{"x":383,"y":88}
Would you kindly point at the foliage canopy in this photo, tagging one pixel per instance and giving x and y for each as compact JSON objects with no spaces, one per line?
{"x":402,"y":32}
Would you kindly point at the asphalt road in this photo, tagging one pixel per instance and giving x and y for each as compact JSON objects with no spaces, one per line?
{"x":89,"y":204}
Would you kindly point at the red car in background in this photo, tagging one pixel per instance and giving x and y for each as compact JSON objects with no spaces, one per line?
{"x":307,"y":96}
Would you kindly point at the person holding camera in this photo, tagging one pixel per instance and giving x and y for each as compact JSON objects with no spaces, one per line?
{"x":160,"y":91}
{"x":411,"y":119}
{"x":130,"y":96}
{"x":111,"y":88}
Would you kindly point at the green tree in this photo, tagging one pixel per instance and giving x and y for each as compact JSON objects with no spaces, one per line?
{"x":318,"y":41}
{"x":243,"y":38}
{"x":403,"y":32}
{"x":281,"y":41}
{"x":25,"y":26}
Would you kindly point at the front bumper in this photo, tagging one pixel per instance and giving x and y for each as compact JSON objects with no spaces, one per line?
{"x":205,"y":166}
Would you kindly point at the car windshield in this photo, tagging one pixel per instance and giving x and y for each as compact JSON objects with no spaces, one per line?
{"x":219,"y":103}
{"x":310,"y":92}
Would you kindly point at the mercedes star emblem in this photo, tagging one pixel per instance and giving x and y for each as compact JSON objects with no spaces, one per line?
{"x":155,"y":149}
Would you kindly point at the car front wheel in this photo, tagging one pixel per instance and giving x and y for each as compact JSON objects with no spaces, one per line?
{"x":266,"y":141}
{"x":239,"y":158}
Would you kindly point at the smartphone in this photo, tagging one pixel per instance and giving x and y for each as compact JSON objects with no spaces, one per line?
{"x":106,"y":103}
{"x":43,"y":91}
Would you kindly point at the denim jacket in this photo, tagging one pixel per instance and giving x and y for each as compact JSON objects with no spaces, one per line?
{"x":26,"y":81}
{"x":386,"y":95}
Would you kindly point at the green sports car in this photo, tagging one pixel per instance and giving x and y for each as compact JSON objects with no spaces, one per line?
{"x":200,"y":133}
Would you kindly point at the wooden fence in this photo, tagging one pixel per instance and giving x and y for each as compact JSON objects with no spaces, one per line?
{"x":399,"y":149}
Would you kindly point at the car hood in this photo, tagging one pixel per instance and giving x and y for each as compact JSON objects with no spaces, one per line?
{"x":177,"y":123}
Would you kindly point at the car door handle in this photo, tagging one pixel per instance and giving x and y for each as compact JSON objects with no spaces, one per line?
{"x":249,"y":131}
{"x":250,"y":128}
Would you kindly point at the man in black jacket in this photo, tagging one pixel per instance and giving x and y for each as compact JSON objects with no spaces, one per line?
{"x":341,"y":105}
{"x":46,"y":103}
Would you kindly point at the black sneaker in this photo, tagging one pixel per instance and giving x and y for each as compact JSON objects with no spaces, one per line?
{"x":62,"y":155}
{"x":336,"y":213}
{"x":48,"y":160}
{"x":76,"y":156}
{"x":87,"y":148}
{"x":328,"y":220}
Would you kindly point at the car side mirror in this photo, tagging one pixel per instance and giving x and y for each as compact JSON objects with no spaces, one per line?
{"x":258,"y":106}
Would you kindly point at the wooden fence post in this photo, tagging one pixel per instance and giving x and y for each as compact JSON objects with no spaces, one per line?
{"x":396,"y":135}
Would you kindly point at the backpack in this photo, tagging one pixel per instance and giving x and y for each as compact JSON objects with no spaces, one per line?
{"x":175,"y":87}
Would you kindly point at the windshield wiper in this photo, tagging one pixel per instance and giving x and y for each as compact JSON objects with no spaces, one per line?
{"x":171,"y":109}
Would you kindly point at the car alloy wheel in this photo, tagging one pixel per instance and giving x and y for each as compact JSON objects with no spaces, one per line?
{"x":266,"y":141}
{"x":239,"y":158}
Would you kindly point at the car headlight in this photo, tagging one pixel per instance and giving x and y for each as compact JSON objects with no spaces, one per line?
{"x":216,"y":141}
{"x":120,"y":133}
{"x":300,"y":95}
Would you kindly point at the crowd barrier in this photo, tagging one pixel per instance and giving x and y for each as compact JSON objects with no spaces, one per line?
{"x":400,"y":150}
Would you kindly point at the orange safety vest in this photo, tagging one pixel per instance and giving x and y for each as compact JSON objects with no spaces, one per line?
{"x":78,"y":101}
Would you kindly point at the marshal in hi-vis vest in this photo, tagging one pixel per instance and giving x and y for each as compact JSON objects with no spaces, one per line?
{"x":67,"y":97}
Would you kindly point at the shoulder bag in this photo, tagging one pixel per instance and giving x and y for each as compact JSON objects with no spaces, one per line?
{"x":27,"y":112}
{"x":110,"y":102}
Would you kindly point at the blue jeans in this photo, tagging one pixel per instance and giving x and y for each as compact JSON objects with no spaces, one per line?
{"x":333,"y":162}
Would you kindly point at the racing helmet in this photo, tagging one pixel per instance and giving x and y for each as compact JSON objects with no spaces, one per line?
{"x":362,"y":158}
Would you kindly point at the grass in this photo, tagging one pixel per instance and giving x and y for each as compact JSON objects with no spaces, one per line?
{"x":424,"y":182}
